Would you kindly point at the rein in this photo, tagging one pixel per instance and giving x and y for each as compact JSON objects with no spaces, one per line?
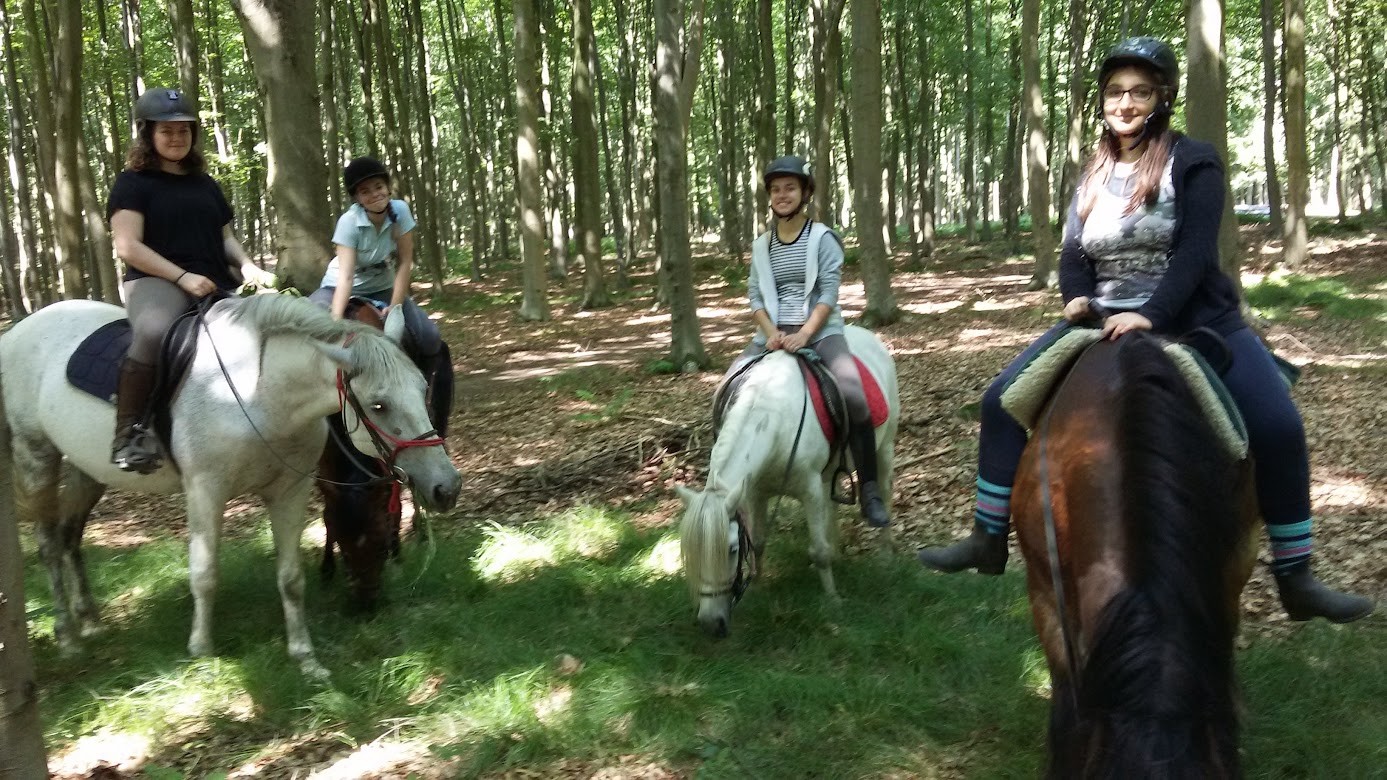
{"x":1071,"y":656}
{"x":345,"y":394}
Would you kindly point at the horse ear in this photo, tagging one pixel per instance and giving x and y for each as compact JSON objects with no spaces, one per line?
{"x":337,"y":354}
{"x":395,"y":324}
{"x":685,"y":495}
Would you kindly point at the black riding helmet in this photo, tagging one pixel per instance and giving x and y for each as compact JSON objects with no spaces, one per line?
{"x":789,"y":165}
{"x":164,"y":105}
{"x":361,"y":169}
{"x":1152,"y":53}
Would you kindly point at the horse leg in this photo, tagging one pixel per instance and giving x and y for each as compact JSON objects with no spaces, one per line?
{"x":206,"y":504}
{"x":36,"y":474}
{"x":823,"y":534}
{"x":886,"y":457}
{"x":76,"y":499}
{"x":287,"y":515}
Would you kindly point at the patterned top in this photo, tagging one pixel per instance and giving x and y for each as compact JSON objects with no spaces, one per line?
{"x":1130,"y":252}
{"x":788,"y":263}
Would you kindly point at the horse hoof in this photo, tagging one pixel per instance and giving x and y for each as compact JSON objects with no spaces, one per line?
{"x":92,"y":629}
{"x":314,"y":670}
{"x":200,"y":649}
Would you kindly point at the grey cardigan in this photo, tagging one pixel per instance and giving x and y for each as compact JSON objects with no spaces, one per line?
{"x":821,"y":279}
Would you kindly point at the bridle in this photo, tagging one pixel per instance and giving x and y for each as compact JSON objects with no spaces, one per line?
{"x":382,"y":439}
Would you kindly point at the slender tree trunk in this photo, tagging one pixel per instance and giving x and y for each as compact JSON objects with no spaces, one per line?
{"x":509,"y":98}
{"x":970,"y":195}
{"x":672,"y":93}
{"x":1269,"y":88}
{"x":615,"y":201}
{"x":216,"y":81}
{"x":988,"y":133}
{"x":1038,"y":168}
{"x":67,"y":116}
{"x":765,"y":109}
{"x":1206,"y":116}
{"x":327,"y":12}
{"x":28,"y":260}
{"x":279,"y":38}
{"x":1079,"y":110}
{"x":132,"y":26}
{"x":106,"y":285}
{"x":928,"y":156}
{"x":1293,"y":249}
{"x":828,"y":62}
{"x":184,"y":31}
{"x":115,"y":130}
{"x":535,"y":305}
{"x":22,"y":754}
{"x":1336,"y":66}
{"x":866,"y":190}
{"x":587,"y":200}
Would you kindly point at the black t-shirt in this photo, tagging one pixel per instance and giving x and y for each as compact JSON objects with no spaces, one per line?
{"x":183,"y":219}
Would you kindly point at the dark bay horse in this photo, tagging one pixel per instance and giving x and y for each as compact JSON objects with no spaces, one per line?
{"x":1153,"y":527}
{"x":361,"y":498}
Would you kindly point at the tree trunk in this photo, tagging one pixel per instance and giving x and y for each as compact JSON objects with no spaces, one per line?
{"x":988,"y":132}
{"x":279,"y":38}
{"x":106,"y":284}
{"x":132,"y":27}
{"x":22,"y":754}
{"x":1079,"y":112}
{"x":615,"y":201}
{"x":866,"y":189}
{"x":1206,"y":113}
{"x":587,"y":199}
{"x":327,"y":39}
{"x":970,"y":195}
{"x":535,"y":305}
{"x":67,"y":116}
{"x":184,"y":31}
{"x":25,"y":259}
{"x":1336,"y":65}
{"x":1269,"y":87}
{"x":671,"y":119}
{"x":765,"y":110}
{"x":1038,"y":168}
{"x":1293,"y":249}
{"x":216,"y":83}
{"x":827,"y":61}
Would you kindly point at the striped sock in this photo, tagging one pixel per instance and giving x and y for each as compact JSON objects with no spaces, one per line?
{"x":993,"y":510}
{"x":1290,"y":545}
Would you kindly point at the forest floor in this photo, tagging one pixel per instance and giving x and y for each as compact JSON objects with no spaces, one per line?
{"x":574,"y":412}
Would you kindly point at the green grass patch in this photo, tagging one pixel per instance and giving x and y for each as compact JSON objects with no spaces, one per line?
{"x":911,"y":674}
{"x":1277,"y":297}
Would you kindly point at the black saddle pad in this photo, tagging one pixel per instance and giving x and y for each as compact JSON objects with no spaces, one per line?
{"x":94,"y":367}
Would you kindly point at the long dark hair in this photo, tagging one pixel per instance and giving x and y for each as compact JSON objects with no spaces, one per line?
{"x":1149,"y":169}
{"x":142,"y":157}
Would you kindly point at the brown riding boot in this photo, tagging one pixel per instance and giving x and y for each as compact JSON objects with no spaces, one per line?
{"x":135,"y":447}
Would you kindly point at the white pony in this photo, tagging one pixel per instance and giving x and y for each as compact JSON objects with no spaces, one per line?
{"x":755,"y":458}
{"x":284,"y":357}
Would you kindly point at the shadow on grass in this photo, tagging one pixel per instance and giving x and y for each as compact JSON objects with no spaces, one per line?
{"x":914,"y":674}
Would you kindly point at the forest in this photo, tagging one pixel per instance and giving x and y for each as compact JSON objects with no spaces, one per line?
{"x":587,"y":181}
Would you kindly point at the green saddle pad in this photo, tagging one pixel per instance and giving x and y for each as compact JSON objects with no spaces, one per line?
{"x":1024,"y":397}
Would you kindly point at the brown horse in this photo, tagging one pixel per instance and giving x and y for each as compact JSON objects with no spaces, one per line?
{"x":361,"y":498}
{"x":1152,"y":526}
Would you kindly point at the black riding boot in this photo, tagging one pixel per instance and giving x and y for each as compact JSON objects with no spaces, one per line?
{"x":1305,"y":597}
{"x":864,"y":457}
{"x":135,"y":447}
{"x":981,"y":550}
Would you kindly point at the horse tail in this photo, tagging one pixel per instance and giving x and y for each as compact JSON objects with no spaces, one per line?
{"x":1157,"y":688}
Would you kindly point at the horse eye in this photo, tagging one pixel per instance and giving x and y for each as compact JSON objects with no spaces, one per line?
{"x":378,"y":407}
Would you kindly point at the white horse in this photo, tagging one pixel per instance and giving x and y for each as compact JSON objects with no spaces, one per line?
{"x":286,"y":359}
{"x":755,"y":458}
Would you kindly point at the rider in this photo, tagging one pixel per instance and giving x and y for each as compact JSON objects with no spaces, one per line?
{"x":171,"y":225}
{"x":1142,"y":241}
{"x":795,"y":270}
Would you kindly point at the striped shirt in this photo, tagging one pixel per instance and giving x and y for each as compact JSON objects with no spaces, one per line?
{"x":789,"y":265}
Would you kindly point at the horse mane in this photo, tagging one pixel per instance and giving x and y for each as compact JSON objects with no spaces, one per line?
{"x":703,"y":539}
{"x":284,"y":315}
{"x":1157,"y":697}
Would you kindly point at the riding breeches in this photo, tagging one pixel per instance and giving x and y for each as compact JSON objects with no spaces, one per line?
{"x":833,"y":350}
{"x":423,"y":332}
{"x":152,"y":304}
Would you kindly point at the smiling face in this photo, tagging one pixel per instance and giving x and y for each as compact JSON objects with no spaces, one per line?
{"x":173,"y":140}
{"x":373,"y":194}
{"x":787,"y":195}
{"x":1129,"y":96}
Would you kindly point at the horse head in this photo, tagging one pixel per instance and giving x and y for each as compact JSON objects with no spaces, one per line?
{"x":711,"y":548}
{"x":384,"y":410}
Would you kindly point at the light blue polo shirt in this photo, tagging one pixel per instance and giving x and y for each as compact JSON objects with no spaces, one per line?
{"x":374,"y":246}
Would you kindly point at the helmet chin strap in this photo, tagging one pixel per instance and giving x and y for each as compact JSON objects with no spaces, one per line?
{"x":1161,"y":109}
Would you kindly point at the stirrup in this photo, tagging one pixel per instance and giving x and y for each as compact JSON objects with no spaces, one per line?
{"x":137,"y":450}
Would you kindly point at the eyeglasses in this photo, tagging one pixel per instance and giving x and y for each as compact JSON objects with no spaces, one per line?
{"x":1141,"y":93}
